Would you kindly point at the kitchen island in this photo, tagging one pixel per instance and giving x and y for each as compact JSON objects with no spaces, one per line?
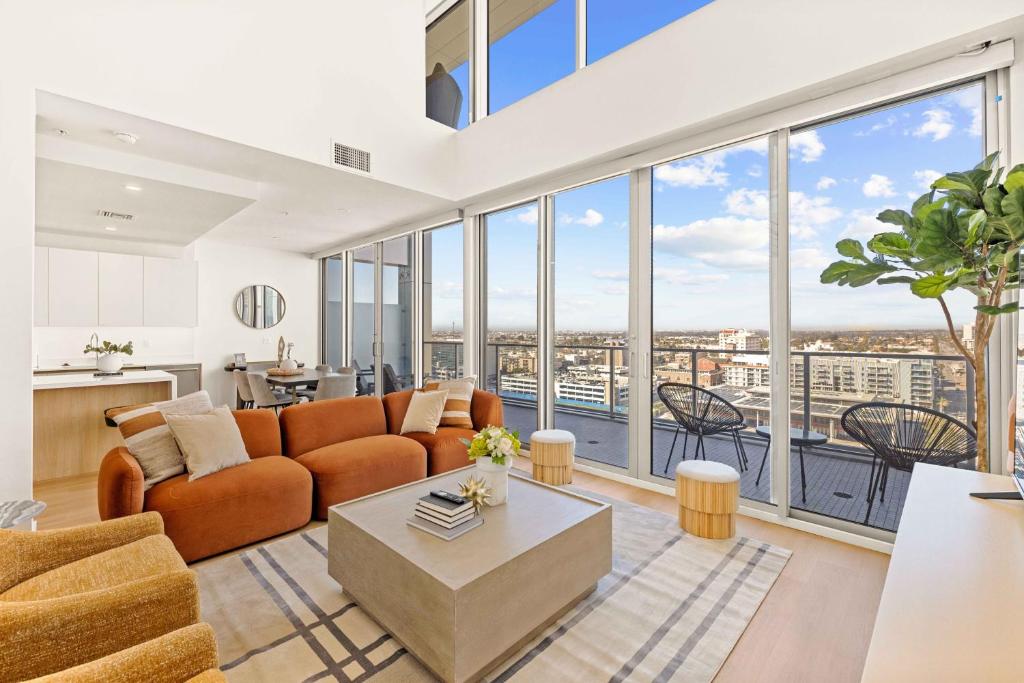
{"x":69,"y":434}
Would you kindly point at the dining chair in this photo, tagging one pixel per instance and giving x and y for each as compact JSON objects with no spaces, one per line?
{"x":703,"y":413}
{"x":244,"y":390}
{"x":335,"y":386}
{"x":264,"y":397}
{"x":323,"y":367}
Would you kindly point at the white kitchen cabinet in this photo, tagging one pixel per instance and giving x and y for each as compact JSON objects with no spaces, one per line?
{"x":169,"y":292}
{"x":120,"y":290}
{"x":73,"y":288}
{"x":41,"y":289}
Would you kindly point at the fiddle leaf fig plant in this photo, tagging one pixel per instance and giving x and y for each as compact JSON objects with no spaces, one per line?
{"x":965,"y":233}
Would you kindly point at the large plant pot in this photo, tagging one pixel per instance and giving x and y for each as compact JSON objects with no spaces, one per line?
{"x":109,"y":362}
{"x":496,"y":478}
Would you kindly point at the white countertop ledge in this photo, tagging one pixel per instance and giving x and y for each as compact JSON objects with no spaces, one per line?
{"x":73,"y":380}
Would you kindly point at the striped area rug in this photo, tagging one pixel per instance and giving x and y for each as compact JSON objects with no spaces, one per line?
{"x":671,"y":610}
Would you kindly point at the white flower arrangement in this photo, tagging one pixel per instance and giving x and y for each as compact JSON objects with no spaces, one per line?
{"x":497,"y":443}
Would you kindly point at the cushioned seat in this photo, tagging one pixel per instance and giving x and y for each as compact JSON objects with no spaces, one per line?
{"x":264,"y":497}
{"x":149,"y":556}
{"x":358,"y":467}
{"x":444,"y":450}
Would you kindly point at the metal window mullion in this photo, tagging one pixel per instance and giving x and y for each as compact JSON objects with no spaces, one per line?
{"x":581,"y":33}
{"x":545,"y":312}
{"x":378,"y":318}
{"x":779,"y":316}
{"x":472,"y":295}
{"x":417,"y":308}
{"x":348,"y":299}
{"x":641,"y":293}
{"x":478,"y":50}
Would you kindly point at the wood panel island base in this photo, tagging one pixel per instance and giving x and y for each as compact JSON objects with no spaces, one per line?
{"x":461,"y":607}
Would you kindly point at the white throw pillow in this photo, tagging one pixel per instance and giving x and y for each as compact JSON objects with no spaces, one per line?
{"x":209,"y":442}
{"x":424,"y":413}
{"x":457,"y":412}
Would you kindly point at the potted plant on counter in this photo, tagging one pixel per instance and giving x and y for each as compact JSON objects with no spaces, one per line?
{"x":493,"y":450}
{"x":108,"y":355}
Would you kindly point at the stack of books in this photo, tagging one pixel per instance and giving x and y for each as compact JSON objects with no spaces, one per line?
{"x":445,"y":515}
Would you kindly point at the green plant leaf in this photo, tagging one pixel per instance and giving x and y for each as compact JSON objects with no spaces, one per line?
{"x":900,"y":218}
{"x":922,"y":209}
{"x":896,"y":279}
{"x":1015,"y":178}
{"x":1013,"y":213}
{"x":866,"y":273}
{"x":992,"y":200}
{"x":836,"y":271}
{"x":988,"y":162}
{"x":930,"y":286}
{"x":890,"y":244}
{"x":851,"y":249}
{"x":994,"y":310}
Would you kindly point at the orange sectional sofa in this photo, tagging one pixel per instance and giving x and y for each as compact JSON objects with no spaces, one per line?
{"x":313,"y":456}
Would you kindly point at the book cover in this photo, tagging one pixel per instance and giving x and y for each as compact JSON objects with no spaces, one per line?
{"x":444,"y":506}
{"x":440,"y":531}
{"x":446,"y":523}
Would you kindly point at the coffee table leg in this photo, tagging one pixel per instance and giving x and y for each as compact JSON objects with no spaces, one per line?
{"x":760,"y":470}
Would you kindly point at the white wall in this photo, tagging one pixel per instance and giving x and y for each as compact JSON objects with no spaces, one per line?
{"x":729,"y":61}
{"x":226,"y":268}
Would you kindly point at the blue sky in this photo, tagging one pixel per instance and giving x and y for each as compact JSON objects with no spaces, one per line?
{"x":710,"y":238}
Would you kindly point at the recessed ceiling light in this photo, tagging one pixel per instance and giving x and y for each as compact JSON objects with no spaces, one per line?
{"x":60,"y":131}
{"x":110,"y":228}
{"x":133,"y":188}
{"x":126,"y":138}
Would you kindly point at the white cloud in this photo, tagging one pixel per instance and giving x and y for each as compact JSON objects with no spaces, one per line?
{"x":925,"y":178}
{"x":703,"y":171}
{"x":448,"y":290}
{"x":687,"y":278}
{"x":811,"y":257}
{"x":615,"y":290}
{"x":729,"y":242}
{"x":755,"y":171}
{"x":878,"y":186}
{"x":528,"y":215}
{"x":882,"y":125}
{"x":591,"y":218}
{"x":938,"y":125}
{"x":862,"y":225}
{"x":969,"y":99}
{"x":746,"y":202}
{"x":824,"y":182}
{"x":806,"y":213}
{"x":512,"y":293}
{"x":808,"y":145}
{"x":616,"y":275}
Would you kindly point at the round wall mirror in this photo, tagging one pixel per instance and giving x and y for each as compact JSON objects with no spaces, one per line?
{"x":259,"y":306}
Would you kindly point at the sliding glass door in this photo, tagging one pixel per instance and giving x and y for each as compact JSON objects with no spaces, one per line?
{"x":364,"y":317}
{"x":397,"y":315}
{"x":443,"y":355}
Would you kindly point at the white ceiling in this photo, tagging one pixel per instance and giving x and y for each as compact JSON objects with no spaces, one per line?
{"x":196,"y":180}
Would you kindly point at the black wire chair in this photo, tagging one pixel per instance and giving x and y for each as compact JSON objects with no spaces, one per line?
{"x":703,"y":413}
{"x":900,"y":436}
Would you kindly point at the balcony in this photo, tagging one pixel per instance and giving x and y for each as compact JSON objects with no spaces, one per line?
{"x":836,"y":474}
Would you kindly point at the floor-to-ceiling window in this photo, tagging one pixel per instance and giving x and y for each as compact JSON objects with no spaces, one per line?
{"x":442,"y":302}
{"x":591,"y":318}
{"x":613,"y":24}
{"x":397,"y":314}
{"x":448,"y":66}
{"x":333,"y":276}
{"x":710,"y":312}
{"x":875,"y":343}
{"x":510,"y":310}
{"x":532,"y":43}
{"x":364,"y":329}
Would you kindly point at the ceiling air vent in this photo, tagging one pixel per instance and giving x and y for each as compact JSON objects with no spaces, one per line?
{"x":115,"y":215}
{"x":350,"y":157}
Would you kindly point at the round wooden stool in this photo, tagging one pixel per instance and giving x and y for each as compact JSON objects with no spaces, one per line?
{"x":551,"y":451}
{"x":709,"y":496}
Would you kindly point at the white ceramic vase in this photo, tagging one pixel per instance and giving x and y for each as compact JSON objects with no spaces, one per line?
{"x":496,"y":477}
{"x":289,"y":365}
{"x":109,"y":362}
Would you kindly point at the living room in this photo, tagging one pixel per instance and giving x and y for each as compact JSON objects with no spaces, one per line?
{"x":538,"y":256}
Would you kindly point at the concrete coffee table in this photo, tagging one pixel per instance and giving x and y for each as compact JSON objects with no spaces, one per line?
{"x":462,"y":606}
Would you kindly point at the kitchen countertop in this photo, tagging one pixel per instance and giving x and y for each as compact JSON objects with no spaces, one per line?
{"x":79,"y":379}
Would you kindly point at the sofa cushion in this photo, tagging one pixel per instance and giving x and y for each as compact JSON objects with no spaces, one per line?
{"x":460,"y":398}
{"x":358,"y":467}
{"x":139,"y":559}
{"x":240,"y":505}
{"x":424,"y":413}
{"x":210,"y":442}
{"x":309,"y":426}
{"x":444,"y":450}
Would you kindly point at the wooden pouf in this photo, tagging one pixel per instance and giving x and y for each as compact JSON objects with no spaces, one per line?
{"x":551,"y":451}
{"x":709,"y":496}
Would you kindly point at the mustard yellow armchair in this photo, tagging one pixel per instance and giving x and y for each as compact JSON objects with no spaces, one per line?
{"x":71,"y":596}
{"x":186,"y":655}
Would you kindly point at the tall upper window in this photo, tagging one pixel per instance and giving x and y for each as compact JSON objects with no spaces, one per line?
{"x":532,"y":44}
{"x":334,"y":309}
{"x":447,"y":67}
{"x":612,"y":24}
{"x":442,"y":302}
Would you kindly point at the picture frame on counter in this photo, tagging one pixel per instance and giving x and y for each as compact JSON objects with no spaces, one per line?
{"x":239,"y":360}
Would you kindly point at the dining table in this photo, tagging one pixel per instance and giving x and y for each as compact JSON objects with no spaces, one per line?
{"x":309,"y":378}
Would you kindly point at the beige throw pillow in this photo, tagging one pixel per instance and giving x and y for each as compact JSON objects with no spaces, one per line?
{"x":424,"y":413}
{"x":147,"y":437}
{"x":209,"y":442}
{"x":460,"y":399}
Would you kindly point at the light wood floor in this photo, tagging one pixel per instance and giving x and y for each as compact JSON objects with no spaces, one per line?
{"x":814,"y":625}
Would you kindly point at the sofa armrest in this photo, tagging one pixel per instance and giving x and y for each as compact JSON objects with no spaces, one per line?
{"x":37,"y":552}
{"x":120,"y":485}
{"x":486,"y":410}
{"x":177,"y":656}
{"x":45,"y":636}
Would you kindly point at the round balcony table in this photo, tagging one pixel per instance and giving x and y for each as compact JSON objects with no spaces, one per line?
{"x":798,"y":438}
